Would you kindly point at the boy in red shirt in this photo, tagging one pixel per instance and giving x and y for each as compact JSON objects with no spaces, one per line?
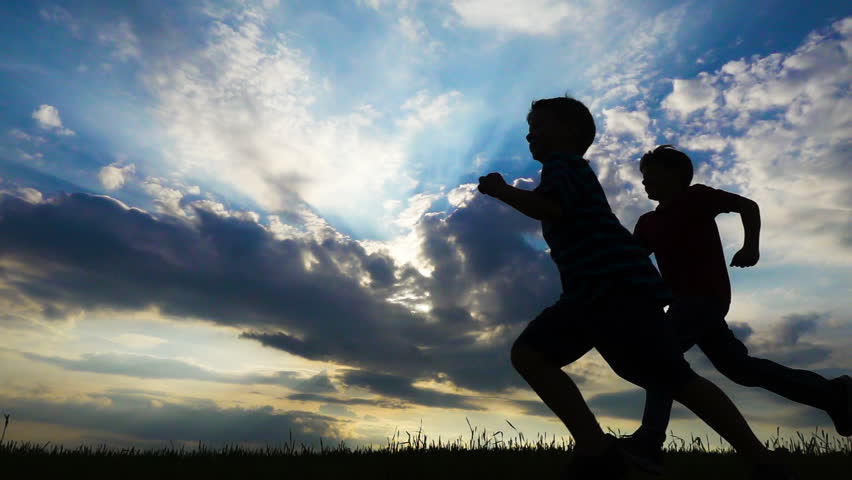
{"x":682,"y":235}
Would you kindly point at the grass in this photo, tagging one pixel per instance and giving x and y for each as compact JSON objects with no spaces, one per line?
{"x":483,"y":455}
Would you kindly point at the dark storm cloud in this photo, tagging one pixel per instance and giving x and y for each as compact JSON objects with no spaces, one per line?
{"x":791,"y":329}
{"x":80,"y":252}
{"x":782,"y":343}
{"x":152,"y":418}
{"x":785,"y":345}
{"x":741,"y":330}
{"x":400,"y":387}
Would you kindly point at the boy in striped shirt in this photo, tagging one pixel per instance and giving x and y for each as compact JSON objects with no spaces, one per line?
{"x":612,"y":300}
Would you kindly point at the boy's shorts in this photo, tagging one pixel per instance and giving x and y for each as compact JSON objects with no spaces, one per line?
{"x":628,"y":331}
{"x":701,"y":320}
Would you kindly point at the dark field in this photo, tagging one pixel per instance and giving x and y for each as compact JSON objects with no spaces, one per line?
{"x":816,"y":456}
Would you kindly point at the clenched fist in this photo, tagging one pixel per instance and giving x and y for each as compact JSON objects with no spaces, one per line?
{"x":746,"y":257}
{"x":491,"y":184}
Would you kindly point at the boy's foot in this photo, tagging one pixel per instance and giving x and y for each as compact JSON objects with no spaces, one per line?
{"x":643,"y":452}
{"x":841,"y":414}
{"x":610,"y":465}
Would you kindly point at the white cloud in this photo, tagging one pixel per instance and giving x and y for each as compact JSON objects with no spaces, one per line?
{"x":374,"y":4}
{"x":704,"y":141}
{"x":33,"y":157}
{"x":424,"y":109}
{"x":690,"y":95}
{"x":57,"y":14}
{"x":167,"y":199}
{"x":417,"y":206}
{"x":461,"y":195}
{"x":416,"y":33}
{"x":240,"y":112}
{"x":535,"y":17}
{"x":31,"y":195}
{"x":114,"y":176}
{"x":19,"y":134}
{"x":619,"y":120}
{"x":138,"y":340}
{"x":627,"y":50}
{"x":412,"y":29}
{"x":121,"y":38}
{"x":793,"y":116}
{"x":47,"y":117}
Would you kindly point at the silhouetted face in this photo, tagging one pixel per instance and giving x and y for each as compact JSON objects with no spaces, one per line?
{"x":660,"y":183}
{"x":546,"y":135}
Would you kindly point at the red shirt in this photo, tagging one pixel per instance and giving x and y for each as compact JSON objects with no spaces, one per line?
{"x":684,"y":238}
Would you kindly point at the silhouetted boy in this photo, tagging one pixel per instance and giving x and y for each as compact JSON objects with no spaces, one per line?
{"x":682,"y":235}
{"x":612,"y":300}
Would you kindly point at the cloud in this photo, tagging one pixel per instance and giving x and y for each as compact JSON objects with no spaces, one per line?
{"x":393,"y":386}
{"x":57,"y":14}
{"x":120,"y":37}
{"x":705,"y":141}
{"x":114,"y":176}
{"x":167,"y":200}
{"x":783,"y":341}
{"x":243,"y":110}
{"x":383,"y":403}
{"x":138,"y":340}
{"x":625,"y":67}
{"x":149,"y":366}
{"x":690,"y":95}
{"x":784,"y":117}
{"x":794,"y":326}
{"x":337,"y":411}
{"x":534,"y":17}
{"x":48,"y":118}
{"x":152,"y":418}
{"x":317,"y":295}
{"x":619,"y":120}
{"x":742,"y":331}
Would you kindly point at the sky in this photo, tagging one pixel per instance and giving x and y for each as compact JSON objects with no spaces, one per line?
{"x":226,"y":222}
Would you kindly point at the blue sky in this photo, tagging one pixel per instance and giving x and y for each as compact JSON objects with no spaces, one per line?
{"x":242,"y":210}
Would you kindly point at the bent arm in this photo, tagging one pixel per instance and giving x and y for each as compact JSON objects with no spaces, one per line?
{"x":750,"y":214}
{"x":530,"y":203}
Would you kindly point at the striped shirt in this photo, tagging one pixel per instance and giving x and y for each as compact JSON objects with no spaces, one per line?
{"x":596,"y":256}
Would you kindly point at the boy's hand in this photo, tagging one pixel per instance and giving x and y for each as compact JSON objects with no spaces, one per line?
{"x":746,"y":257}
{"x":491,"y":184}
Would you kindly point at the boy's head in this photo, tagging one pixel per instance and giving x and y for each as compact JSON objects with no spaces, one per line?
{"x":665,"y":171}
{"x":561,"y":124}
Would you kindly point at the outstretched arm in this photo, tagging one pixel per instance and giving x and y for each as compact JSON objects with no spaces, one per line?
{"x":530,"y":203}
{"x":750,"y":214}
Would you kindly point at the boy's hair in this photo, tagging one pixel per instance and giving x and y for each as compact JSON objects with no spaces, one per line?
{"x":671,"y":159}
{"x":572,"y":112}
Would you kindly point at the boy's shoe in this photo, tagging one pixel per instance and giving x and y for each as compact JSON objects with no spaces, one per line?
{"x":610,"y":465}
{"x":643,"y":453}
{"x":841,"y":414}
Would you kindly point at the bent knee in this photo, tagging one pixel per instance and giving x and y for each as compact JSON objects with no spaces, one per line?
{"x":523,"y":354}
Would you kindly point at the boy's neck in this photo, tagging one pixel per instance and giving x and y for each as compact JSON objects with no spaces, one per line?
{"x":667,"y":199}
{"x":562,"y":153}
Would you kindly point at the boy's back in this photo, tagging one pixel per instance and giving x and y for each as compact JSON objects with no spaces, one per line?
{"x":591,"y":248}
{"x":684,"y":238}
